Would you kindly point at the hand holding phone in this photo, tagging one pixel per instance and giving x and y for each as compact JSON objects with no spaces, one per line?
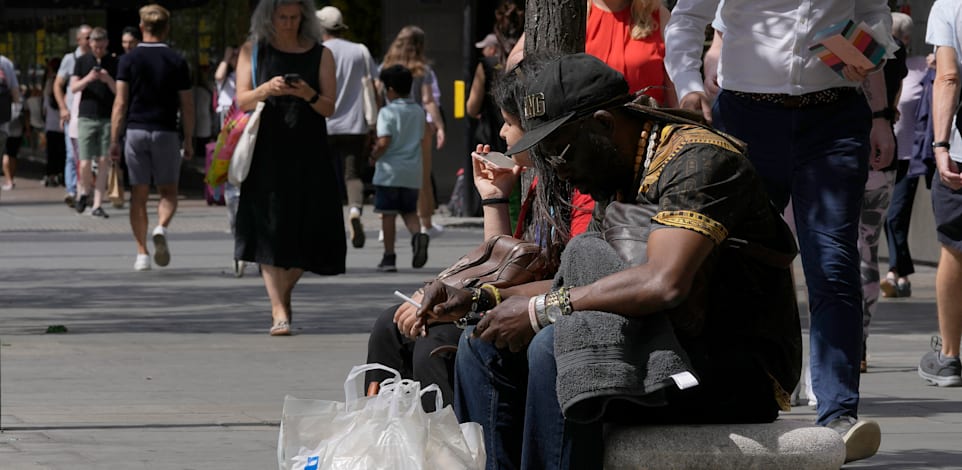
{"x":498,"y":159}
{"x":291,"y":78}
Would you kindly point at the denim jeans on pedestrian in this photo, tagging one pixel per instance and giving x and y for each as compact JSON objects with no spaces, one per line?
{"x":70,"y":166}
{"x":514,"y":398}
{"x":817,"y":156}
{"x":897,"y":221}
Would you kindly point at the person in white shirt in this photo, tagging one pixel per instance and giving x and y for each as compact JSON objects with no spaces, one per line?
{"x":8,"y":80}
{"x":65,"y":101}
{"x":942,"y":366}
{"x":347,"y":128}
{"x":811,"y":135}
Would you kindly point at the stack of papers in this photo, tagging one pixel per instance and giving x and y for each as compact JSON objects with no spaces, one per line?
{"x":847,"y":43}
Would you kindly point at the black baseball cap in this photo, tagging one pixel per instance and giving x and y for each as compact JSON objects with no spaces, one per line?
{"x":568,"y":88}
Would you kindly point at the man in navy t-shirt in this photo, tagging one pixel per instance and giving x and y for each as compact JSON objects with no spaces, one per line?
{"x":153,"y":82}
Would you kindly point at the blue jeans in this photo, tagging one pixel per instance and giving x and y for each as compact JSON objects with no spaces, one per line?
{"x":514,"y":398}
{"x":818,"y":157}
{"x":70,"y":167}
{"x":897,"y":221}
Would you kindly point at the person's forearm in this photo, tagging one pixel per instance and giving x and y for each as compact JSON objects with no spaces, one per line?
{"x":874,"y":89}
{"x":432,"y":109}
{"x":187,"y":116}
{"x":497,"y":220}
{"x":77,"y":85}
{"x":945,"y":93}
{"x":247,"y":100}
{"x":221,"y":73}
{"x":58,"y":93}
{"x":117,"y":119}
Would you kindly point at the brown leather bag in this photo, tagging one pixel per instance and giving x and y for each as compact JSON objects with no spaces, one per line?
{"x":501,"y":261}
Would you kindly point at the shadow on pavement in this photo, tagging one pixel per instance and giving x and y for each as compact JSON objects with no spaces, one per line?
{"x":188,"y":301}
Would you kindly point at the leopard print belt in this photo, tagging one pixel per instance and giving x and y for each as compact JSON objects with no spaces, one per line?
{"x":815,"y":98}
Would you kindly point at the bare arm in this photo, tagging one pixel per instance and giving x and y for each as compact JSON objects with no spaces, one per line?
{"x":222,"y":68}
{"x":187,"y":118}
{"x":247,"y":96}
{"x":380,"y":146}
{"x":476,"y":97}
{"x":882,"y":140}
{"x":59,"y":94}
{"x":119,"y":112}
{"x":674,"y":256}
{"x":325,"y":104}
{"x":427,"y":99}
{"x":945,"y":93}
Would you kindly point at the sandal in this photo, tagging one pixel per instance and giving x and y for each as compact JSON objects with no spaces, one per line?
{"x":282,"y":328}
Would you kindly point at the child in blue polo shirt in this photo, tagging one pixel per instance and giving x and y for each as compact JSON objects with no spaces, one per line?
{"x":397,"y":169}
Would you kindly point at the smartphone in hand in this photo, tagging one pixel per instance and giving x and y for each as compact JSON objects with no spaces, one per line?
{"x":292,"y":78}
{"x":498,"y":159}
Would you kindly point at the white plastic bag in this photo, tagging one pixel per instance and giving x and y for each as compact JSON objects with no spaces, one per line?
{"x":387,"y":431}
{"x":240,"y":162}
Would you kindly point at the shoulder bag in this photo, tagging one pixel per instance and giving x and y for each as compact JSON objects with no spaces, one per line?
{"x":501,"y":261}
{"x":240,"y":160}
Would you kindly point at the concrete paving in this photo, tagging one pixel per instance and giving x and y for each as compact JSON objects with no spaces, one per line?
{"x":173,"y":368}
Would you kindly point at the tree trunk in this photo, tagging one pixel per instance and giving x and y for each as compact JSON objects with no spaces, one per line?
{"x":555,"y":26}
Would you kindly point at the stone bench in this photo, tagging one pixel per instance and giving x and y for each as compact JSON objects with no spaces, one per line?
{"x":782,"y":444}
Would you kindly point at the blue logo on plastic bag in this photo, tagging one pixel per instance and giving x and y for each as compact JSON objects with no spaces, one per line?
{"x":311,"y":463}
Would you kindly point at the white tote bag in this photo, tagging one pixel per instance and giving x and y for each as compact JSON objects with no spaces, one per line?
{"x":240,"y":163}
{"x":387,"y":431}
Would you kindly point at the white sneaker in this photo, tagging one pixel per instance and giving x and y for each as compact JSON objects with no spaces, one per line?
{"x":161,"y":252}
{"x":435,"y":230}
{"x":142,"y":263}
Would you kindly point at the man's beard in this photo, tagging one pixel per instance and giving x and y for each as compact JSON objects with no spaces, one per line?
{"x":601,"y":185}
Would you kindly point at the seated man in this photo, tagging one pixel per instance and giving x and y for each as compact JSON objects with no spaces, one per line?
{"x":699,"y":325}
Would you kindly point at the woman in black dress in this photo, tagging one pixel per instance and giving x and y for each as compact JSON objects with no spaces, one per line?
{"x":289,"y":218}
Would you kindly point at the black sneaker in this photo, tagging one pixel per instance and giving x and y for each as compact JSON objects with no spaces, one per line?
{"x":69,"y":200}
{"x":81,"y":204}
{"x":388,"y":263}
{"x":862,"y":437}
{"x":99,"y":212}
{"x":419,"y":242}
{"x":357,"y":233}
{"x":939,"y":370}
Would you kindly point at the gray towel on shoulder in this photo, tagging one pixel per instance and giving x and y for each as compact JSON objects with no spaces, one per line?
{"x":603,"y":356}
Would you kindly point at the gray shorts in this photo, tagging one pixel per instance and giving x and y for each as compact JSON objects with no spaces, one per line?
{"x":153,"y":155}
{"x":947,"y":209}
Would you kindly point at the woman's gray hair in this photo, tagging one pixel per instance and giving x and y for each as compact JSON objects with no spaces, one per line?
{"x":262,"y":28}
{"x":901,"y":25}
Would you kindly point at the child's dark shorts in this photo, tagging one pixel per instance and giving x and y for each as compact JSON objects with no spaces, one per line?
{"x":395,"y":200}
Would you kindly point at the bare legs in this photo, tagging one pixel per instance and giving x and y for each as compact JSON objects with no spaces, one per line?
{"x":390,"y":231}
{"x":426,"y":196}
{"x":280,"y":283}
{"x":86,"y":179}
{"x":9,"y":168}
{"x":138,"y":211}
{"x":948,"y":297}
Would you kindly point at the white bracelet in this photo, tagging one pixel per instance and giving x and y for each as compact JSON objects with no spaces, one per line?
{"x":532,"y":315}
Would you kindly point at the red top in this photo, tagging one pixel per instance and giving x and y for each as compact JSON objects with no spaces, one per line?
{"x":641,"y":61}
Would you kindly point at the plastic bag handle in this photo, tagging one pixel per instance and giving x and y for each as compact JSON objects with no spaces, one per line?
{"x":353,"y":386}
{"x":438,"y":398}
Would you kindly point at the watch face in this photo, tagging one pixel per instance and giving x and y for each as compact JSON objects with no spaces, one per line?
{"x":553,"y":312}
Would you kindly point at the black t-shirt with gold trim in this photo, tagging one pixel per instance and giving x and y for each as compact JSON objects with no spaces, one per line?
{"x":739,"y":305}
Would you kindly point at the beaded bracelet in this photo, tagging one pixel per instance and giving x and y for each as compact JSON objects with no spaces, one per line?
{"x":494,"y":291}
